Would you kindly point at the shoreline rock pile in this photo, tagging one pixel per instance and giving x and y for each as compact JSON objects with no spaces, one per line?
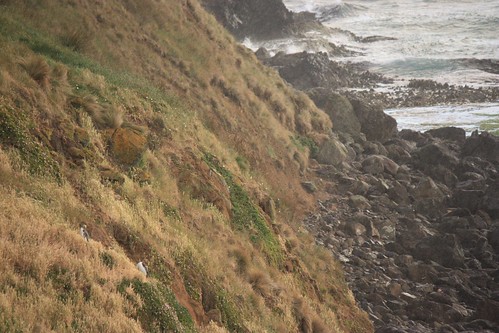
{"x":415,"y":222}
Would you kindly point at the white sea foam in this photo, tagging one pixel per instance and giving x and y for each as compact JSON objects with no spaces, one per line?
{"x":428,"y":33}
{"x":430,"y":37}
{"x":470,"y":117}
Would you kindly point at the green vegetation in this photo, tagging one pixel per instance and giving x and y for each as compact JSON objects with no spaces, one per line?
{"x":491,"y":126}
{"x":158,"y":310}
{"x":231,"y":316}
{"x":302,"y":142}
{"x":15,"y":130}
{"x":247,"y":217}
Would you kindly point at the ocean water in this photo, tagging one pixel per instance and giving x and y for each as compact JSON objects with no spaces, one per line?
{"x":427,"y":40}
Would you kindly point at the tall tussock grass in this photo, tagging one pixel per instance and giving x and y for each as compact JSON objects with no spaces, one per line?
{"x":37,"y":68}
{"x":104,"y":116}
{"x":77,"y":38}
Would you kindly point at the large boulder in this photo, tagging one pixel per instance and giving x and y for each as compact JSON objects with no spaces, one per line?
{"x":338,"y":108}
{"x":377,"y":164}
{"x":375,"y":124}
{"x":434,"y":154}
{"x":332,"y":152}
{"x":443,"y":249}
{"x":309,"y":70}
{"x":127,"y":145}
{"x":449,"y":133}
{"x":484,"y":145}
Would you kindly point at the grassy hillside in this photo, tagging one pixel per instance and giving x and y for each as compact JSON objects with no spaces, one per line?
{"x":175,"y":146}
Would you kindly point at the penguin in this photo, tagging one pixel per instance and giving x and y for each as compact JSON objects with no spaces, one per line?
{"x":84,"y":233}
{"x":142,"y":267}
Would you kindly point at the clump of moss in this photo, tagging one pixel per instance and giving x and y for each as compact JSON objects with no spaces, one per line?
{"x":245,"y":215}
{"x":158,"y":310}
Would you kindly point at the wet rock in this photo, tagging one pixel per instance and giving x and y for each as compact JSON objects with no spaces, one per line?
{"x":430,"y":311}
{"x":262,"y":53}
{"x":488,"y":310}
{"x":435,"y":154}
{"x":469,"y":199}
{"x":493,"y":238}
{"x":259,"y":19}
{"x":419,"y":138}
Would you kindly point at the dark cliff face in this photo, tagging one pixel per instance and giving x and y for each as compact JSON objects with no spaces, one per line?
{"x":260,"y":19}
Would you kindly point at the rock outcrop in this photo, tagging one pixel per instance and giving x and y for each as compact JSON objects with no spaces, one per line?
{"x":259,"y":19}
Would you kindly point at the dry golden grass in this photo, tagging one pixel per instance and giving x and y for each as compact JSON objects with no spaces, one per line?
{"x":153,"y":77}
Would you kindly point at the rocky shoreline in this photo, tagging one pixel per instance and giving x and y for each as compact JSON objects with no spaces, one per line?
{"x":415,"y":223}
{"x":306,"y":71}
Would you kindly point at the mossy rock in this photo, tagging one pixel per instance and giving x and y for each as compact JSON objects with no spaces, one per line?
{"x":127,"y":146}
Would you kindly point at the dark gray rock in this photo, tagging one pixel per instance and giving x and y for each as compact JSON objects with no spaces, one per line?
{"x":443,"y":249}
{"x":449,"y":133}
{"x":375,"y":124}
{"x":484,"y":145}
{"x":259,"y":19}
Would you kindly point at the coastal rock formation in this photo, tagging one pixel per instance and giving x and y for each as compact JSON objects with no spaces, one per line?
{"x":420,"y":253}
{"x":312,"y":70}
{"x":259,"y":19}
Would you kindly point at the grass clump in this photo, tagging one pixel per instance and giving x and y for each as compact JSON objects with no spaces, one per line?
{"x":157,"y":309}
{"x":62,"y":282}
{"x":107,"y":260}
{"x":77,"y":39}
{"x":38,"y":69}
{"x":245,"y":216}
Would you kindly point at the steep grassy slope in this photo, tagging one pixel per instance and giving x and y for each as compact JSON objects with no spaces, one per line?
{"x":149,"y":124}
